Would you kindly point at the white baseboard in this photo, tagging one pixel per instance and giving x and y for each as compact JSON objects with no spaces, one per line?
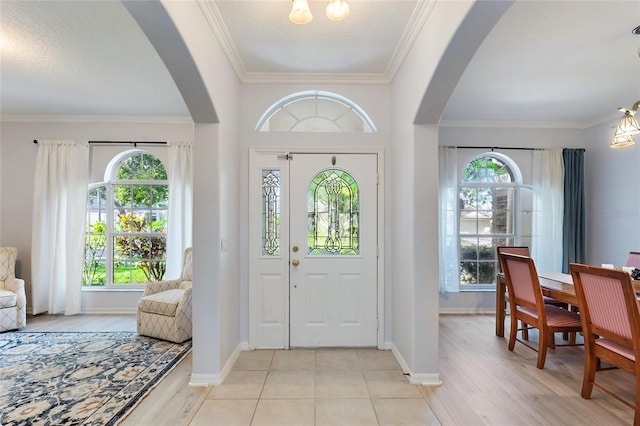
{"x":467,"y":311}
{"x":204,"y":380}
{"x":414,"y":378}
{"x":109,"y":311}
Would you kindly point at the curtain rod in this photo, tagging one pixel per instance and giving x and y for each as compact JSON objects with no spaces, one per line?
{"x":497,"y":147}
{"x":134,"y":143}
{"x":502,"y":147}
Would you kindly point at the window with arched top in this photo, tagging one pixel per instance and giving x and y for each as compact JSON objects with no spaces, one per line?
{"x":126,"y":235}
{"x":315,"y":111}
{"x":489,"y":215}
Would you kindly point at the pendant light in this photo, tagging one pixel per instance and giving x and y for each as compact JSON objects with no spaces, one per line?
{"x":338,"y":10}
{"x":300,"y":13}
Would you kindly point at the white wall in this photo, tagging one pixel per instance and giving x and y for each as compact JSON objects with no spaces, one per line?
{"x":216,"y":292}
{"x":18,"y":161}
{"x":613,"y":197}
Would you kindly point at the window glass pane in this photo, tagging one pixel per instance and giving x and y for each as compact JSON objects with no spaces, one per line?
{"x":468,"y":248}
{"x":486,"y":217}
{"x":127,"y":223}
{"x":271,"y":212}
{"x":333,"y":214}
{"x":94,"y":271}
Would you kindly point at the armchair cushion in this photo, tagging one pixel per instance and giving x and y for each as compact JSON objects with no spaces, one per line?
{"x":8,"y":299}
{"x":162,"y":303}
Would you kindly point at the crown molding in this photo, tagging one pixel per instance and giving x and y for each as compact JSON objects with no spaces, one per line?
{"x":574,"y":125}
{"x":416,"y":22}
{"x":216,"y":23}
{"x":33,"y":118}
{"x":314,"y":78}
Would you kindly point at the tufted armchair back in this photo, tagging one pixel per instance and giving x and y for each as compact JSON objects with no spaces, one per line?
{"x":8,"y":256}
{"x":187,"y":265}
{"x":13,"y":299}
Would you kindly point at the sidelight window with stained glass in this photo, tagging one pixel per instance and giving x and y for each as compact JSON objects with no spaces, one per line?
{"x":271,"y":212}
{"x":333,"y":214}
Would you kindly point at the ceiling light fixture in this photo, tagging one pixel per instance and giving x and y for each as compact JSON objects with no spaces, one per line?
{"x":337,"y":10}
{"x":628,"y":126}
{"x":300,"y":13}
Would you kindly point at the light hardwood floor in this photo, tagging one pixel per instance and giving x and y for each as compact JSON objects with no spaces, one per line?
{"x":483,"y":383}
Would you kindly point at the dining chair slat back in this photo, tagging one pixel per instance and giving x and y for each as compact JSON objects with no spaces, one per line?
{"x":611,"y":325}
{"x":520,"y":250}
{"x":527,"y":305}
{"x":633,"y":259}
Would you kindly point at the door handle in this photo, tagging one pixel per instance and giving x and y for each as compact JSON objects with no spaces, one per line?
{"x":295,"y":262}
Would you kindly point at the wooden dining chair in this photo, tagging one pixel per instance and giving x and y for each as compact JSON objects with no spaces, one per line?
{"x":611,"y":326}
{"x":527,"y":305}
{"x":633,"y":259}
{"x":524,"y":251}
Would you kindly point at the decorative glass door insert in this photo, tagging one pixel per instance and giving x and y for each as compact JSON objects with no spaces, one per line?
{"x":333,"y":214}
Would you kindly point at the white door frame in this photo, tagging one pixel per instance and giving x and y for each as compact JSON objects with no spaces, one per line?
{"x":281,"y":325}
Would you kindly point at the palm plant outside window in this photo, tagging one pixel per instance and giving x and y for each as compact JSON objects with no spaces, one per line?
{"x":125,"y":242}
{"x":487,"y":219}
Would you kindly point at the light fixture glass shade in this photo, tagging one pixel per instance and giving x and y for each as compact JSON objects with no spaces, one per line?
{"x":627,"y":126}
{"x":338,"y":10}
{"x":300,"y":13}
{"x":622,"y":141}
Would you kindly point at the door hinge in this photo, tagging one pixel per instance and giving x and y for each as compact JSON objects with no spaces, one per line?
{"x":377,"y":179}
{"x":286,"y":156}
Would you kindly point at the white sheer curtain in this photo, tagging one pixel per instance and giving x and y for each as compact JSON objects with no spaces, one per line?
{"x":548,"y":207}
{"x":57,"y":241}
{"x":448,"y":227}
{"x":179,"y":231}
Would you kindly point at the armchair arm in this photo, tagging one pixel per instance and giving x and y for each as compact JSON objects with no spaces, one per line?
{"x":184,"y":306}
{"x":153,"y":287}
{"x":14,"y":284}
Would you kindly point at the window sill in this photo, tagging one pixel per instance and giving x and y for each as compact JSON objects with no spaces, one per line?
{"x":116,"y":290}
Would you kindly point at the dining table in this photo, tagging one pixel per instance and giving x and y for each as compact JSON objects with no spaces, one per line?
{"x":554,"y":284}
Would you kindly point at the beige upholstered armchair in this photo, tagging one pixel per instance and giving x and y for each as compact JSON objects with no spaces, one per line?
{"x":164,"y":312}
{"x":13,"y":300}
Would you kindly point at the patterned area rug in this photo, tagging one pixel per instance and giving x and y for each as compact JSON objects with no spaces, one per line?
{"x":79,"y":378}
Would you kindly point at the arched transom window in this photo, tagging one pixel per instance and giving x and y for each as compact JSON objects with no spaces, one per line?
{"x":315,"y":111}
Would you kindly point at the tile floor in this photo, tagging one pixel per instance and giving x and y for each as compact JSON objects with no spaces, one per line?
{"x":315,"y":387}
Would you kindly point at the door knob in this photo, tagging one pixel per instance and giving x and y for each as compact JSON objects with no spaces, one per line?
{"x":295,"y":262}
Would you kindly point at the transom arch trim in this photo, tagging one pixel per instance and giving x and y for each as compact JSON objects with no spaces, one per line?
{"x":314,"y":94}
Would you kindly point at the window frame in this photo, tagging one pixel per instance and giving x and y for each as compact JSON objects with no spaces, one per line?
{"x":110,"y":182}
{"x":514,"y":236}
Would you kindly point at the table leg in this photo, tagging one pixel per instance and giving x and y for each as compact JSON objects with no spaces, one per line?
{"x":501,"y":304}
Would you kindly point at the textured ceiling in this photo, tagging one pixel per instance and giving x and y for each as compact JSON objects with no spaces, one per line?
{"x":554,"y":63}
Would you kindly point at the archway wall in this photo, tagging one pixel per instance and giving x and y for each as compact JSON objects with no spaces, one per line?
{"x":451,"y":34}
{"x":189,"y":48}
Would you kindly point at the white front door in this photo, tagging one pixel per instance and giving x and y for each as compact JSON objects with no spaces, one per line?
{"x":313,"y":250}
{"x":333,"y":286}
